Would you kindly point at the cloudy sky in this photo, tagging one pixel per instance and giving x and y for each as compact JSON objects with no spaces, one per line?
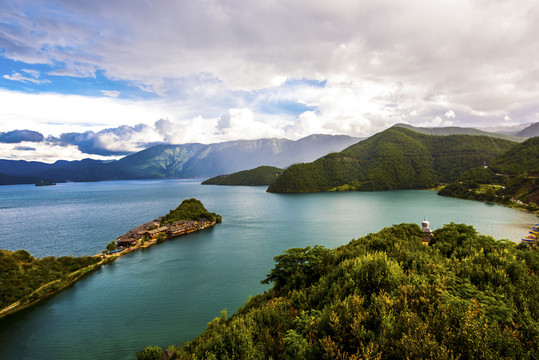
{"x":105,"y":78}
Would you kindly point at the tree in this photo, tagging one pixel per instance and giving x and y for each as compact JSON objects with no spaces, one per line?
{"x":150,"y":353}
{"x":161,"y":237}
{"x":112,"y":246}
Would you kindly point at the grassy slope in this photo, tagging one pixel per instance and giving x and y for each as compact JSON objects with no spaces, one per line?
{"x":396,"y":158}
{"x":262,"y":175}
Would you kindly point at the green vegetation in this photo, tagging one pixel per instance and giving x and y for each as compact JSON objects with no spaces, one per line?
{"x":262,"y":175}
{"x":510,"y":178}
{"x":396,"y":158}
{"x":112,"y":246}
{"x":21,"y":274}
{"x":522,"y":158}
{"x":455,"y":130}
{"x":150,"y":353}
{"x":189,"y":209}
{"x":388,"y":296}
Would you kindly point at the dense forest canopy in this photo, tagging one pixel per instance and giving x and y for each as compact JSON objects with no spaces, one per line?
{"x":21,"y":274}
{"x":396,"y":158}
{"x":387,"y":296}
{"x":260,"y":176}
{"x":190,"y":209}
{"x":511,"y":178}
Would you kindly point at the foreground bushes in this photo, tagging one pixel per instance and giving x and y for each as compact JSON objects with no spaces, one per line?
{"x":388,"y":296}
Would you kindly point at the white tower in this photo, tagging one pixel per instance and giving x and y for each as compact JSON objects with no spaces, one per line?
{"x":425,"y":227}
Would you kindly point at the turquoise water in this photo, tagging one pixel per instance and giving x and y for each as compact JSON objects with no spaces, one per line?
{"x":166,"y":294}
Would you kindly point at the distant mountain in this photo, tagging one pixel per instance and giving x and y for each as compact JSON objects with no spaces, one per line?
{"x":530,"y":131}
{"x":260,"y":176}
{"x":186,"y":161}
{"x":396,"y":158}
{"x":83,"y":170}
{"x":454,"y":130}
{"x":511,"y":175}
{"x":199,"y":161}
{"x":507,"y":129}
{"x":16,"y":180}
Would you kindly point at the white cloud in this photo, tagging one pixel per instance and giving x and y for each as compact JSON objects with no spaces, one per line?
{"x":446,"y":47}
{"x":435,"y":122}
{"x":220,"y":69}
{"x":111,"y":93}
{"x":33,"y":73}
{"x":44,"y":152}
{"x":54,"y":114}
{"x":19,"y":77}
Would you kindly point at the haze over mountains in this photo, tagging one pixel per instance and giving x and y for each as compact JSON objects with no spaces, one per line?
{"x":203,"y":161}
{"x":180,"y":161}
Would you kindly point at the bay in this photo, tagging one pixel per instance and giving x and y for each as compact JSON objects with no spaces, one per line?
{"x":166,"y":294}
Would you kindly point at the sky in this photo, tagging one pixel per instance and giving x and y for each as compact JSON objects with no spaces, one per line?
{"x":104,"y":78}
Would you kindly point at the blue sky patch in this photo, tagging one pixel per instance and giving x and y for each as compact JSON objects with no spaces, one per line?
{"x":37,"y":78}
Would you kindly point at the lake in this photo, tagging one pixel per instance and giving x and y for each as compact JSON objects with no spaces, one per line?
{"x":166,"y":294}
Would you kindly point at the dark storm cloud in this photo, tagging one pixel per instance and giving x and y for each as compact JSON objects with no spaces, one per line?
{"x":17,"y":136}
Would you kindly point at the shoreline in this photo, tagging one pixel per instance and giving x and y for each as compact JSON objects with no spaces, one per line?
{"x":154,"y":232}
{"x":71,"y":279}
{"x":56,"y":286}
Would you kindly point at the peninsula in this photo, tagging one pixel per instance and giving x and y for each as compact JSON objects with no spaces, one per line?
{"x":189,"y":217}
{"x":26,"y":280}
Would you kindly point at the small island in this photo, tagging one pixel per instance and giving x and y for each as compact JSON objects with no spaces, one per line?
{"x":44,"y":183}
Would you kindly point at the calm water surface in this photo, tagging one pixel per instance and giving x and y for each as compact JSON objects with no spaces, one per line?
{"x":166,"y":294}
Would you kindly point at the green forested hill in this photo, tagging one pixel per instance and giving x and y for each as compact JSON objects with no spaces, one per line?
{"x":262,"y":175}
{"x":387,"y":296}
{"x":522,"y":158}
{"x":510,"y":176}
{"x":190,"y":209}
{"x":21,"y":274}
{"x":396,"y":158}
{"x":454,"y":130}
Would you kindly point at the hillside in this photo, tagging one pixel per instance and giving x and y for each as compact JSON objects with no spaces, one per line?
{"x":15,"y":180}
{"x":190,"y":209}
{"x":386,"y":296}
{"x":186,"y":161}
{"x":25,"y":279}
{"x":530,"y":131}
{"x":260,"y":176}
{"x":510,"y":178}
{"x":455,"y":130}
{"x":396,"y":158}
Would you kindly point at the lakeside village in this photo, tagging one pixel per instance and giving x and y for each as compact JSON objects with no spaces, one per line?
{"x":154,"y":232}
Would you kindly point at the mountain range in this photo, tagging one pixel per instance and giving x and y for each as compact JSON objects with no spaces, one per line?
{"x":397,"y":158}
{"x":208,"y":160}
{"x":180,"y":161}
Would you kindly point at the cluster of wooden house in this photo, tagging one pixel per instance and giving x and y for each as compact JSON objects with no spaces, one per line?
{"x":153,"y":230}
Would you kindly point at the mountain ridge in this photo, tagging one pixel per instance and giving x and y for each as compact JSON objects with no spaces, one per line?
{"x":396,"y":158}
{"x":193,"y":160}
